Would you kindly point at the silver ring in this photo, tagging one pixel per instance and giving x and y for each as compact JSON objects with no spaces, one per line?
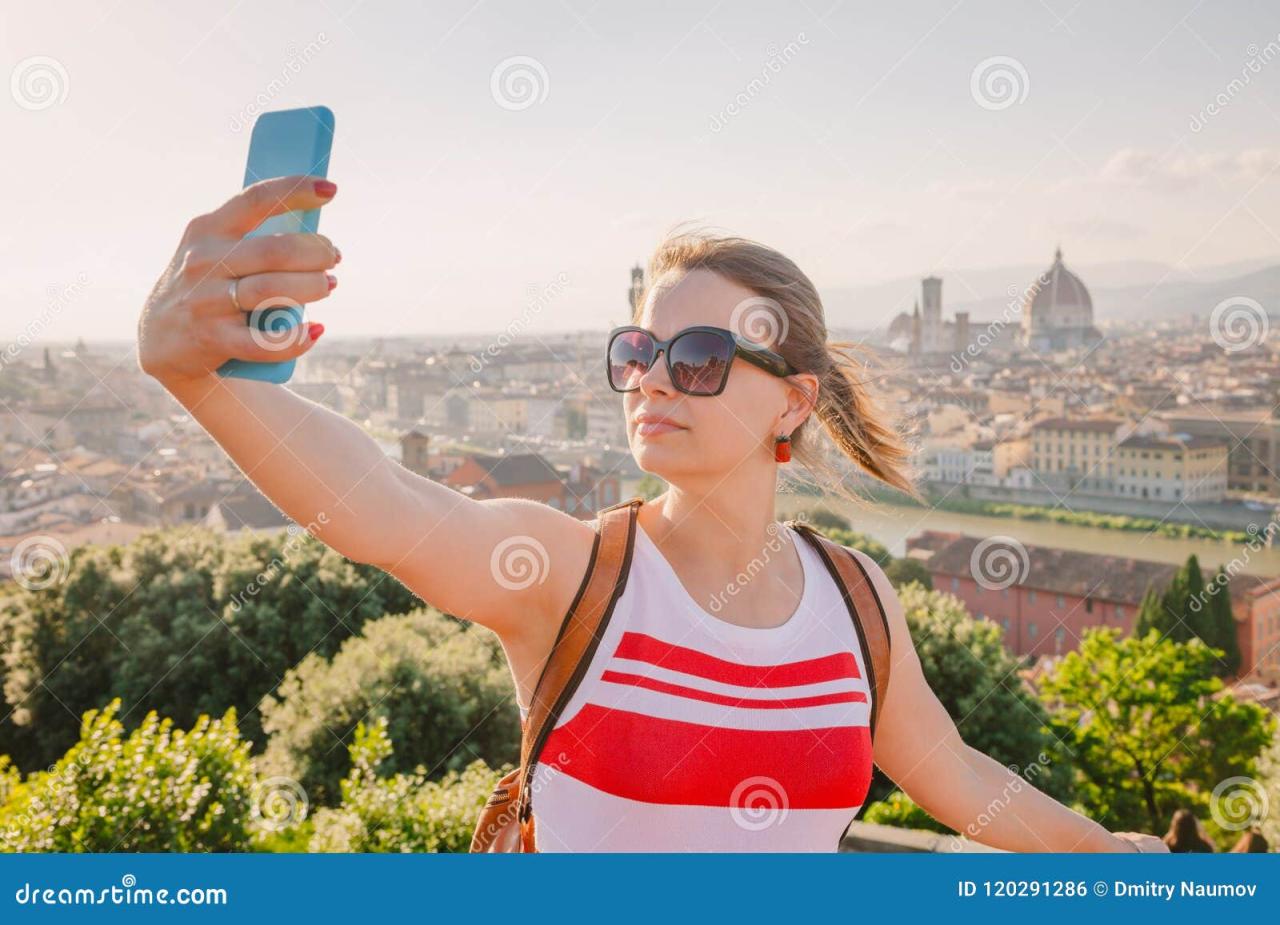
{"x":235,"y":297}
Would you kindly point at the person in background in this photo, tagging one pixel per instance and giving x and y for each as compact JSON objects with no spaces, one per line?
{"x":1251,"y":842}
{"x":1185,"y":835}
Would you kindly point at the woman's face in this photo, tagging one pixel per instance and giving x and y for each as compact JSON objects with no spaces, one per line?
{"x":710,"y":435}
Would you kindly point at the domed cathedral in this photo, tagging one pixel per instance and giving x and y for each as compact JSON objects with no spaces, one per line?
{"x":1057,"y":311}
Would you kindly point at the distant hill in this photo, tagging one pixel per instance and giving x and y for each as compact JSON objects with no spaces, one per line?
{"x":1122,"y":291}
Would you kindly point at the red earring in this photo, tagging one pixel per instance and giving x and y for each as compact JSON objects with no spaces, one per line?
{"x":782,"y":449}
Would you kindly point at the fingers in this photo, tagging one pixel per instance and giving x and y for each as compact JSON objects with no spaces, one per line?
{"x":246,"y":210}
{"x":278,"y":343}
{"x":259,"y":292}
{"x":272,"y":252}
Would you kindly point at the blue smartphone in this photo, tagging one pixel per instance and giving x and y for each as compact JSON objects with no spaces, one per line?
{"x":284,"y":143}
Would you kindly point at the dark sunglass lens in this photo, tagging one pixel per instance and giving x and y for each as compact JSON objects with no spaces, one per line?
{"x":699,"y":362}
{"x":630,"y":355}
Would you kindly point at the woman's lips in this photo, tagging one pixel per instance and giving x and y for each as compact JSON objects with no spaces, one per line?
{"x":653,"y":428}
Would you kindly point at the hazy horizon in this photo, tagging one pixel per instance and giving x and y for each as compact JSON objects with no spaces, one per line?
{"x":488,"y":151}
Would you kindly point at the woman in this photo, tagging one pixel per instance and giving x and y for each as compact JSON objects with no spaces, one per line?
{"x":1186,"y":834}
{"x":660,"y":726}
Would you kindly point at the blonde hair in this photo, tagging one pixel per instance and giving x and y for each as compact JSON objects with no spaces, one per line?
{"x":846,"y":405}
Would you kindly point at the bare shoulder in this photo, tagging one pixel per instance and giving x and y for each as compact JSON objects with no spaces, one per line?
{"x":510,"y":564}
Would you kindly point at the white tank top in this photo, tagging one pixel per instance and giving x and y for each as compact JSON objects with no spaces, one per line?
{"x":689,"y":733}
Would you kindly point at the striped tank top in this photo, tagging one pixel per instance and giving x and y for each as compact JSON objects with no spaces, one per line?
{"x":689,"y":733}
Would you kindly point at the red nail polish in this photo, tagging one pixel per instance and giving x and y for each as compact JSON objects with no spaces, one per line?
{"x":315,"y":330}
{"x":325,"y":189}
{"x":337,"y":256}
{"x":333,"y":280}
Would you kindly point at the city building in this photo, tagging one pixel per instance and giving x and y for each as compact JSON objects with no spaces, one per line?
{"x":1057,"y":312}
{"x":1178,"y":467}
{"x":1047,"y":597}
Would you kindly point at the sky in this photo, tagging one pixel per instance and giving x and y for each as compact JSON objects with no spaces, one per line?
{"x":497,"y":156}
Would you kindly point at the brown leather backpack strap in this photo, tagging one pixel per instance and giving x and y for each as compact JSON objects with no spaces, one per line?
{"x":864,"y":604}
{"x":579,"y":634}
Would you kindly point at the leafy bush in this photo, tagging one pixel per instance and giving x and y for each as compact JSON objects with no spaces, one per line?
{"x":975,"y":678}
{"x":182,"y":622}
{"x":443,"y":687}
{"x":406,"y":812}
{"x":1149,"y":727}
{"x":901,"y":571}
{"x":900,"y":810}
{"x":160,"y":789}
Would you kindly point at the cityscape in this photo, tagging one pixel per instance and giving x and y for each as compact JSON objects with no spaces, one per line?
{"x":1042,"y":406}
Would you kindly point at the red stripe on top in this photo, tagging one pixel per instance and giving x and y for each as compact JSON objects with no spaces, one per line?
{"x":692,"y":693}
{"x":667,"y":761}
{"x":644,"y":648}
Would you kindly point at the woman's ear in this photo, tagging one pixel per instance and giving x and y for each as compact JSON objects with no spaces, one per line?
{"x":802,"y":397}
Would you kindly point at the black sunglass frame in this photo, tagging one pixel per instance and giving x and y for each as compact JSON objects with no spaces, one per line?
{"x":749,"y":350}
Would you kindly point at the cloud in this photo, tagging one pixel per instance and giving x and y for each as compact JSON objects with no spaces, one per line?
{"x":1140,"y":167}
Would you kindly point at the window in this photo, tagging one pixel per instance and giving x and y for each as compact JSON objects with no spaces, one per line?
{"x":1059,"y":636}
{"x":1060,"y":601}
{"x":1031,"y":629}
{"x":1088,"y":605}
{"x":955,"y":584}
{"x":1031,"y":595}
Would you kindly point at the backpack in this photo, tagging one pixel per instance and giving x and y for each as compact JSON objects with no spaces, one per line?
{"x":506,"y":823}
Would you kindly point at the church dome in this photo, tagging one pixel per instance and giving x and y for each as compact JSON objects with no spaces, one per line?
{"x":1057,"y":302}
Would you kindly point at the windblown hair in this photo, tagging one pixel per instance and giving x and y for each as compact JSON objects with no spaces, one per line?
{"x":846,"y":404}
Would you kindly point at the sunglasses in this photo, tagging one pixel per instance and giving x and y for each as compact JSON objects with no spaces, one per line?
{"x":698,"y":358}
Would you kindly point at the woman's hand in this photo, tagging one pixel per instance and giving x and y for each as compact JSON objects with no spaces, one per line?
{"x":190,"y":324}
{"x":1139,"y":841}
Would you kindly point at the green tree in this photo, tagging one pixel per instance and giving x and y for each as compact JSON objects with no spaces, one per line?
{"x":1147,"y":726}
{"x":403,"y":812}
{"x":159,"y":789}
{"x":183,"y":622}
{"x":904,"y":570}
{"x":1221,"y":624}
{"x":975,"y":678}
{"x":443,"y":687}
{"x":1178,"y":613}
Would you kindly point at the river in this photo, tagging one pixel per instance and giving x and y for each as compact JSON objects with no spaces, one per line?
{"x":891,"y":525}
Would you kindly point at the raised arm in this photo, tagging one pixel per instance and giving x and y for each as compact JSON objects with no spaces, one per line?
{"x":919,"y":748}
{"x":510,"y":565}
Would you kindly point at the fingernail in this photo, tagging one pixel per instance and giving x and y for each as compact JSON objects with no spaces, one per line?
{"x":337,"y":256}
{"x":333,"y":280}
{"x":325,"y":189}
{"x":315,"y":330}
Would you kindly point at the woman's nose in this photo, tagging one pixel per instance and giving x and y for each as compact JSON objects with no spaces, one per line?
{"x":656,"y":378}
